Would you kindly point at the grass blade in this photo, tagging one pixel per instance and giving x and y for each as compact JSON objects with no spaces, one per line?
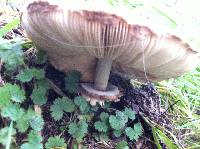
{"x":172,"y":21}
{"x":165,"y":139}
{"x":8,"y":27}
{"x":9,"y":135}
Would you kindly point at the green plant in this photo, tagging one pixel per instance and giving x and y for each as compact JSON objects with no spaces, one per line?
{"x":34,"y":141}
{"x":28,"y":74}
{"x":71,"y":81}
{"x":60,"y":106}
{"x":182,"y":97}
{"x":118,"y":123}
{"x":40,"y":90}
{"x":135,"y":132}
{"x":122,"y":145}
{"x":8,"y":144}
{"x":160,"y":136}
{"x":11,"y":54}
{"x":78,"y":130}
{"x":103,"y":124}
{"x":8,"y":27}
{"x":82,"y":104}
{"x":129,"y":3}
{"x":38,"y":96}
{"x":41,"y":57}
{"x":13,"y":95}
{"x":12,"y":111}
{"x":27,"y":120}
{"x":55,"y":142}
{"x":4,"y":135}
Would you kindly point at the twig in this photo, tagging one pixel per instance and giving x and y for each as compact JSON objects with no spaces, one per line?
{"x":55,"y":88}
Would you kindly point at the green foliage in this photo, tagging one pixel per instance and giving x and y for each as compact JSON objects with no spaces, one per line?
{"x":78,"y":130}
{"x":118,"y":121}
{"x":76,"y":146}
{"x":10,"y":92}
{"x":183,"y":96}
{"x":25,"y":75}
{"x":61,"y":105}
{"x":4,"y":135}
{"x":40,"y":92}
{"x":8,"y":27}
{"x":37,"y":123}
{"x":160,"y":136}
{"x":82,"y":104}
{"x":28,"y":119}
{"x":11,"y":54}
{"x":38,"y":95}
{"x":172,"y":22}
{"x":12,"y":111}
{"x":102,"y":125}
{"x":28,"y":74}
{"x":71,"y":81}
{"x":104,"y":116}
{"x":55,"y":142}
{"x":41,"y":57}
{"x":129,"y":113}
{"x":134,"y":133}
{"x":5,"y":95}
{"x":9,"y":139}
{"x":34,"y":138}
{"x":122,"y":145}
{"x":12,"y":96}
{"x":34,"y":141}
{"x":43,"y":83}
{"x":117,"y":133}
{"x":23,"y":123}
{"x":129,"y":3}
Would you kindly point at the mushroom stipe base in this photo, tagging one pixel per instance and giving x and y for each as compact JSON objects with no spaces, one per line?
{"x":110,"y":94}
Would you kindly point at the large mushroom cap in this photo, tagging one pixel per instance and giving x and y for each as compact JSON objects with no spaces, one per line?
{"x":75,"y":33}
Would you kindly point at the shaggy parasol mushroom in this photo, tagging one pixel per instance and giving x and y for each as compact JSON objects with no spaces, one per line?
{"x":94,"y":38}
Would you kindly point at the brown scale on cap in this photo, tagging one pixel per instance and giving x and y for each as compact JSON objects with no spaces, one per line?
{"x":101,"y":17}
{"x":41,"y":7}
{"x":96,"y":42}
{"x":186,"y":45}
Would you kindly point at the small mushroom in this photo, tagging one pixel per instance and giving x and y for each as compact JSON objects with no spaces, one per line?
{"x":95,"y":39}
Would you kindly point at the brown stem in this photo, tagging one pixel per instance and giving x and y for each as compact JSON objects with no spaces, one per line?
{"x":102,"y":73}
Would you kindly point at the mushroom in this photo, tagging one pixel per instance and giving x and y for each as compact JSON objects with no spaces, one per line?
{"x":95,"y":38}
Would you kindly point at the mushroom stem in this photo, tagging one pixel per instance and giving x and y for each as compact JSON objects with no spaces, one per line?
{"x":102,"y":73}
